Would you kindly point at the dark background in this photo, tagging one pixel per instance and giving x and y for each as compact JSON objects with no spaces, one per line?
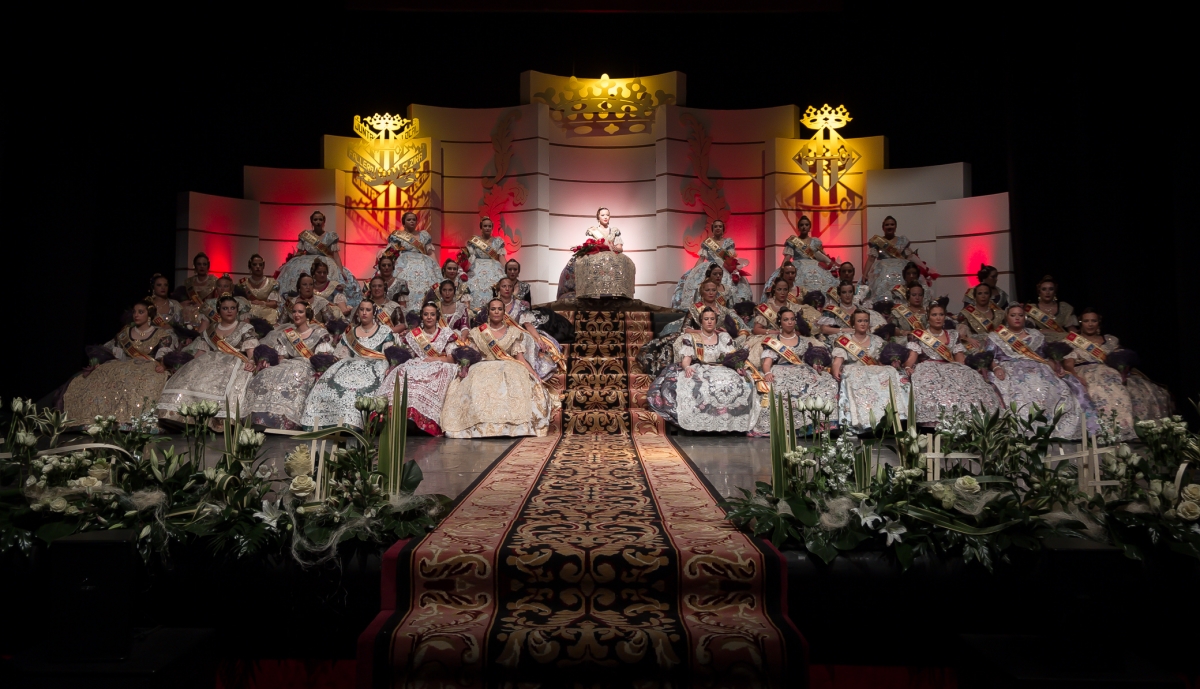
{"x":1082,"y":117}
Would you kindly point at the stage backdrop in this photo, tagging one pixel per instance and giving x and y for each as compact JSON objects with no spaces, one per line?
{"x":542,"y":168}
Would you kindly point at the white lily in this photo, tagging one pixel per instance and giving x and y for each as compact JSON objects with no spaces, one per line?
{"x":866,"y":513}
{"x":270,"y":513}
{"x":893,"y":530}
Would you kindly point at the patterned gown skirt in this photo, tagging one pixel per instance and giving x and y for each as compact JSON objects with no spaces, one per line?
{"x":865,"y":394}
{"x":122,"y":389}
{"x":1151,"y":401}
{"x":331,"y":401}
{"x":1108,"y":394}
{"x":428,"y":382}
{"x":497,"y":398}
{"x":686,"y":287}
{"x":796,"y":383}
{"x":275,"y":396}
{"x":214,"y":377}
{"x":715,"y":398}
{"x":947,"y":385}
{"x":1028,"y":382}
{"x":484,"y":273}
{"x":290,"y":273}
{"x":415,"y":268}
{"x":885,"y":273}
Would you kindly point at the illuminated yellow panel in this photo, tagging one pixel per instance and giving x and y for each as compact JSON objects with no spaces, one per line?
{"x":608,"y":104}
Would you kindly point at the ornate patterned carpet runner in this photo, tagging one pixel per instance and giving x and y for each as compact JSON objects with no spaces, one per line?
{"x":600,"y":559}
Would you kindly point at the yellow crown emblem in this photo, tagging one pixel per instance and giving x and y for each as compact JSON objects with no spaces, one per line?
{"x":385,"y":154}
{"x":585,"y":105}
{"x":826,"y":159}
{"x":826,"y":117}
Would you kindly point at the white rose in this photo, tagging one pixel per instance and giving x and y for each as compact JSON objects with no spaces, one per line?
{"x":26,"y":439}
{"x":966,"y":484}
{"x":1123,"y":451}
{"x":1156,"y":486}
{"x":72,"y":510}
{"x":98,"y":471}
{"x":58,"y":505}
{"x":303,"y":486}
{"x":48,"y":468}
{"x":1191,"y":492}
{"x":89,"y":482}
{"x":93,"y":430}
{"x":1188,"y":511}
{"x":17,"y":405}
{"x":1170,"y":492}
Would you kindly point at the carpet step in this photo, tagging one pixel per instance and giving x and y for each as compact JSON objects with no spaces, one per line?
{"x":603,"y":380}
{"x":606,"y":398}
{"x":593,"y":422}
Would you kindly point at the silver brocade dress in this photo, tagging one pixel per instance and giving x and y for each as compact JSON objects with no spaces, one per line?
{"x":794,"y":381}
{"x":866,"y":391}
{"x":715,"y":398}
{"x":1027,"y":382}
{"x":302,"y":260}
{"x":212,"y":376}
{"x":428,"y":380}
{"x":542,"y":362}
{"x":414,"y":264}
{"x":484,"y":271}
{"x":809,"y":273}
{"x":1137,"y":399}
{"x":887,"y":271}
{"x":566,"y":279}
{"x":268,"y":290}
{"x":125,"y":386}
{"x":331,"y":401}
{"x":947,"y":385}
{"x":276,"y":395}
{"x":690,"y":280}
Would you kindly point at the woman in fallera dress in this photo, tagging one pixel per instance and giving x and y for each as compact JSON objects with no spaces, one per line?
{"x":453,"y":312}
{"x":414,"y":254}
{"x":485,"y":255}
{"x":203,"y":282}
{"x":512,"y":271}
{"x":1124,"y":390}
{"x":124,"y":386}
{"x":323,"y":311}
{"x":397,"y":290}
{"x":989,"y":275}
{"x":600,"y":231}
{"x":783,"y":368}
{"x":940,"y":379}
{"x":332,"y":292}
{"x":715,"y":249}
{"x":359,"y":372}
{"x":387,"y":311}
{"x":220,"y":370}
{"x":430,"y":370}
{"x":807,"y":253}
{"x":887,"y":257}
{"x":166,"y":309}
{"x":548,"y":351}
{"x":1053,"y":317}
{"x":912,"y":314}
{"x":276,"y":395}
{"x":661,"y":352}
{"x":1024,"y":378}
{"x":976,"y":320}
{"x":866,"y":385}
{"x":699,"y":393}
{"x":836,"y":317}
{"x":318,"y":243}
{"x":501,"y":395}
{"x":261,"y":291}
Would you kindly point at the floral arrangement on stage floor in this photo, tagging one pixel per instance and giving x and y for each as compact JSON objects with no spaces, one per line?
{"x":339,"y":485}
{"x":589,"y":247}
{"x":997,"y":485}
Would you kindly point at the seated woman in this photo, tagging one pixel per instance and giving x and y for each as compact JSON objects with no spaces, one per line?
{"x":453,"y":313}
{"x":1024,"y":378}
{"x":485,"y":256}
{"x":549,"y":356}
{"x":125,"y":385}
{"x":866,"y":385}
{"x":714,"y":250}
{"x":275,"y":397}
{"x":714,"y":274}
{"x":332,"y":292}
{"x":661,"y":352}
{"x":940,"y":380}
{"x":501,"y":395}
{"x":912,"y":315}
{"x":430,"y":370}
{"x":601,"y":231}
{"x":846,"y":273}
{"x":988,"y":275}
{"x":766,"y":314}
{"x":975,"y":321}
{"x":1053,"y":317}
{"x":318,"y":243}
{"x":323,"y":311}
{"x":708,"y":396}
{"x":911,"y":276}
{"x":1116,"y":387}
{"x":521,"y":289}
{"x":387,"y":311}
{"x":359,"y":373}
{"x":201,"y":285}
{"x":395,"y":288}
{"x":220,"y":370}
{"x":783,"y":368}
{"x":414,"y":254}
{"x":787,"y":273}
{"x":166,"y":309}
{"x":835,"y":317}
{"x":451,"y":272}
{"x":807,"y":252}
{"x":261,"y":291}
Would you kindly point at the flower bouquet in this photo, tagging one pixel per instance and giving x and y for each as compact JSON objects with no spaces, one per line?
{"x":589,"y":247}
{"x":736,"y":269}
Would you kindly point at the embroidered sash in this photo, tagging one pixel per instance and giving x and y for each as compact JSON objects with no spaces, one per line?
{"x":887,"y":247}
{"x":1043,"y":318}
{"x":381,"y":314}
{"x":798,"y":244}
{"x":699,"y":349}
{"x":928,"y":339}
{"x":160,"y":322}
{"x":423,"y":340}
{"x":1012,"y":340}
{"x":492,"y":346}
{"x":768,"y":313}
{"x":838,"y":313}
{"x":914,"y":321}
{"x":715,"y":247}
{"x":406,"y":236}
{"x":266,"y":288}
{"x":901,"y":292}
{"x":551,"y":350}
{"x":297,"y":342}
{"x":223,"y":346}
{"x":978,"y":321}
{"x":784,"y":351}
{"x":1081,"y":342}
{"x":760,"y":383}
{"x":128,"y":344}
{"x":310,"y":237}
{"x":479,"y":243}
{"x":856,"y":351}
{"x":361,"y":349}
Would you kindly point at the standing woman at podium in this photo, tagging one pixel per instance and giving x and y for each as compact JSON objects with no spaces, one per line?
{"x":318,"y":243}
{"x":485,"y":256}
{"x":413,"y":253}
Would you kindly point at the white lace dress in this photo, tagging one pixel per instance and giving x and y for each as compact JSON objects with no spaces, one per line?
{"x":715,"y":398}
{"x":865,"y":391}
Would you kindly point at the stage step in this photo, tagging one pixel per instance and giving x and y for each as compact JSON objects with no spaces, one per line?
{"x":604,"y":388}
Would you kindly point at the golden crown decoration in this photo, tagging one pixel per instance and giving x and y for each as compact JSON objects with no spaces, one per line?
{"x":824,"y":159}
{"x":603,"y":104}
{"x":386,"y":154}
